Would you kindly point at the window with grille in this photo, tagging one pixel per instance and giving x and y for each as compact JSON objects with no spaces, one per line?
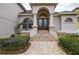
{"x":69,"y":20}
{"x":27,"y":24}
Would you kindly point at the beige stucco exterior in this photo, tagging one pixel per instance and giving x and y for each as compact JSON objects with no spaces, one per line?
{"x":11,"y":14}
{"x":56,"y":20}
{"x":68,"y":27}
{"x":35,"y":8}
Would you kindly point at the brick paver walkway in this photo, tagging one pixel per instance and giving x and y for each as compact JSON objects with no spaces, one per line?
{"x":44,"y":44}
{"x":43,"y":35}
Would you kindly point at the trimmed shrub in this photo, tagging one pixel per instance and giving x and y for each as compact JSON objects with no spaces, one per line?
{"x":14,"y":43}
{"x":70,"y":43}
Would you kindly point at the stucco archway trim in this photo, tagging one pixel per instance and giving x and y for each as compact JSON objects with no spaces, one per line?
{"x":43,"y":11}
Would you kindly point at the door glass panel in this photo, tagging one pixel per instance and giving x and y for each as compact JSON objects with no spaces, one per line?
{"x":40,"y":22}
{"x":45,"y":22}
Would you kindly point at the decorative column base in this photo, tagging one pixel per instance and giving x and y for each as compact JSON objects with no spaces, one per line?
{"x":33,"y":32}
{"x":52,"y":30}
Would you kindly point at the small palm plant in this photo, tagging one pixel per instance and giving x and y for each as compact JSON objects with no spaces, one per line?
{"x":17,"y":28}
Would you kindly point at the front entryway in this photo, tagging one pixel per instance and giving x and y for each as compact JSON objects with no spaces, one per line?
{"x":43,"y":19}
{"x":43,"y":24}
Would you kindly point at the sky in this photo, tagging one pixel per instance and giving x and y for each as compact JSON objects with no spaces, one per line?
{"x":66,"y":7}
{"x":60,"y":6}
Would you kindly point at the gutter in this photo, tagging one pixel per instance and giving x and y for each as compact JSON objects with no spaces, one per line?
{"x":22,"y":7}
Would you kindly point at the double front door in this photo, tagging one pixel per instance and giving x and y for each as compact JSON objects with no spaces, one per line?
{"x":43,"y":23}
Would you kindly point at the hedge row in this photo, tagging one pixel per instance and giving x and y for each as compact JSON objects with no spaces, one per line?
{"x":70,"y":43}
{"x":14,"y":43}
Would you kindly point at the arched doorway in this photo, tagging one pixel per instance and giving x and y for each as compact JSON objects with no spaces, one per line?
{"x":43,"y":19}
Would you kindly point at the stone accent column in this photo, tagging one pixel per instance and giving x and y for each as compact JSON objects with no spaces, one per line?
{"x":35,"y":21}
{"x":51,"y":22}
{"x":52,"y":26}
{"x":51,"y":19}
{"x":34,"y":27}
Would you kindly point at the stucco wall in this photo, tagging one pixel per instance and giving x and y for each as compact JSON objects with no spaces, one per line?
{"x":68,"y":27}
{"x":8,"y":18}
{"x":57,"y":23}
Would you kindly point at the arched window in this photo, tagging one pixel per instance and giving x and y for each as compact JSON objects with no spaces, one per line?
{"x":27,"y":24}
{"x":68,"y":20}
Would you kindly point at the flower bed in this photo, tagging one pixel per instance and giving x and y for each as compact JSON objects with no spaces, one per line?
{"x":14,"y":45}
{"x":70,"y":43}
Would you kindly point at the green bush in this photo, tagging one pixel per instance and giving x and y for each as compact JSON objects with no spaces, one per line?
{"x":13,"y":43}
{"x":70,"y":43}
